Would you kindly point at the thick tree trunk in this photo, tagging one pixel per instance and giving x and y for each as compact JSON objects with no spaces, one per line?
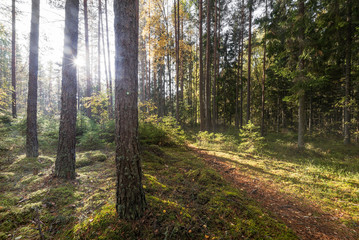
{"x":208,"y":68}
{"x":347,"y":74}
{"x":13,"y":62}
{"x":88,"y":74}
{"x":201,"y":79}
{"x":32,"y":145}
{"x":130,"y":197}
{"x":249,"y":62}
{"x":65,"y":160}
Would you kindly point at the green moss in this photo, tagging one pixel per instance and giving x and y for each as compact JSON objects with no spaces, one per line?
{"x":90,"y":158}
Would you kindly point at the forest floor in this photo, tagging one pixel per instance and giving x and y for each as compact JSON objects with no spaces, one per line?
{"x":199,"y":190}
{"x":304,"y":217}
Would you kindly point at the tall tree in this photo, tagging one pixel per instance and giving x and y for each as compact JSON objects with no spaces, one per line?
{"x":109,"y":63}
{"x":99,"y":47}
{"x":264,"y":67}
{"x":208,"y":68}
{"x":32,"y":145}
{"x":130,"y":197}
{"x":301,"y":94}
{"x":348,"y":49}
{"x":201,"y":79}
{"x":65,"y":160}
{"x":88,"y":74}
{"x":176,"y":15}
{"x":250,"y":7}
{"x":13,"y":61}
{"x":215,"y":50}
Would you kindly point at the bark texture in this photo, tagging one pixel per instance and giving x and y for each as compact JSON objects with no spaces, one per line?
{"x":65,"y":160}
{"x":32,"y":145}
{"x":130,"y":197}
{"x":13,"y":62}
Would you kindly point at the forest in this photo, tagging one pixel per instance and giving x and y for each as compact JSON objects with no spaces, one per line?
{"x":179,"y":119}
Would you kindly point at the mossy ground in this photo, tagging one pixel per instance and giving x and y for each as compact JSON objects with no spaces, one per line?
{"x":185,"y":200}
{"x":326,"y":173}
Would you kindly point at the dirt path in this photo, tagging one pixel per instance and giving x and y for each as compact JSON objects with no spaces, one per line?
{"x":307,"y":221}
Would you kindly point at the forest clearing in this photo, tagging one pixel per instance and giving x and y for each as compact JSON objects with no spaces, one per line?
{"x":183,"y":119}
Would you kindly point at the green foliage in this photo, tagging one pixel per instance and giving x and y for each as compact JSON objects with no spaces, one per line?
{"x":250,"y":139}
{"x":217,"y":140}
{"x":90,"y":158}
{"x":99,"y":107}
{"x":163,"y":132}
{"x":91,"y":141}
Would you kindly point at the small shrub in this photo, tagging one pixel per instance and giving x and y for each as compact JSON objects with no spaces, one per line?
{"x":91,"y":141}
{"x":251,"y":141}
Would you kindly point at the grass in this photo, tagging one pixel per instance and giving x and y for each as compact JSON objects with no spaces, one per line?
{"x":186,"y":200}
{"x":326,"y":172}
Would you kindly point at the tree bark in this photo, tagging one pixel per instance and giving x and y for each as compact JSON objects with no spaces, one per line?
{"x":208,"y":68}
{"x":66,"y":154}
{"x":176,"y":13}
{"x":264,"y":70}
{"x":109,"y":64}
{"x":13,"y":62}
{"x":201,"y":79}
{"x":241,"y":81}
{"x":214,"y":87}
{"x":88,"y":74}
{"x":99,"y":47}
{"x":32,"y":145}
{"x":249,"y":61}
{"x":130,"y":197}
{"x":347,"y":74}
{"x":301,"y":97}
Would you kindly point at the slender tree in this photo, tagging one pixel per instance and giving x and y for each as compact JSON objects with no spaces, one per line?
{"x":109,"y":63}
{"x":348,"y":49}
{"x":65,"y":160}
{"x":130,"y":197}
{"x":176,"y":13}
{"x":301,"y":94}
{"x":208,"y":68}
{"x":13,"y":61}
{"x":32,"y":145}
{"x":264,"y":68}
{"x":88,"y":73}
{"x":250,"y":6}
{"x":99,"y":47}
{"x":201,"y":79}
{"x":214,"y":87}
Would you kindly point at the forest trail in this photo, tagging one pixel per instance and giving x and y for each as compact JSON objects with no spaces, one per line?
{"x":308,"y":221}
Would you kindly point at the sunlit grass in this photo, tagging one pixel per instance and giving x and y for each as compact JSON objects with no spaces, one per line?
{"x":326,"y":173}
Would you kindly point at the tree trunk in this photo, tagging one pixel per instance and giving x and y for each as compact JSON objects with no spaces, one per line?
{"x":214,"y":87}
{"x":301,"y":98}
{"x":201,"y":79}
{"x":264,"y":71}
{"x":99,"y":47}
{"x":208,"y":68}
{"x":88,"y":74}
{"x":130,"y":197}
{"x":13,"y":62}
{"x":109,"y":64}
{"x":347,"y":74}
{"x":242,"y":52}
{"x":32,"y":145}
{"x":65,"y":160}
{"x":176,"y":13}
{"x":249,"y":62}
